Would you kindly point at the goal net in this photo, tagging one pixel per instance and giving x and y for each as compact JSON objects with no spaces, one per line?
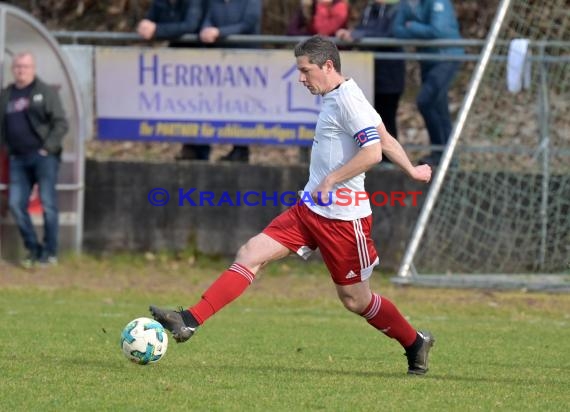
{"x":502,"y":207}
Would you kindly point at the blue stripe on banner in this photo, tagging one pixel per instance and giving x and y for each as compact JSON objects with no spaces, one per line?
{"x":366,"y":135}
{"x":204,"y":131}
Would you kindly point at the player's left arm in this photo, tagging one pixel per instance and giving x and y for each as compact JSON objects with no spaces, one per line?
{"x":396,"y":153}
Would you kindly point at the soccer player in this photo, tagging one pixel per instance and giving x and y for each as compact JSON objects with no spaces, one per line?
{"x":349,"y":139}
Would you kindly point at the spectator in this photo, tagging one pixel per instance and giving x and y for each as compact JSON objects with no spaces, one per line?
{"x":169,"y":20}
{"x":32,"y":127}
{"x":432,"y":19}
{"x":300,"y":24}
{"x":329,"y":16}
{"x":224,"y":18}
{"x":323,"y":17}
{"x":377,"y":20}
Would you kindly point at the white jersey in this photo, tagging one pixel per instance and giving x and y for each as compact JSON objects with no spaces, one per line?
{"x":347,"y":122}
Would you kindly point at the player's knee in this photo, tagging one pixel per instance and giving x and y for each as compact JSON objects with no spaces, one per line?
{"x":352,"y":304}
{"x":245,"y":251}
{"x":250,"y":254}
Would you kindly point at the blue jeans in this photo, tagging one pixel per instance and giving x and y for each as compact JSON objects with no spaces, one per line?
{"x":25,"y":171}
{"x":433,"y":102}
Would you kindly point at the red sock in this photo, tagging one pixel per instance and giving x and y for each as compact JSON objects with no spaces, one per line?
{"x":232,"y":283}
{"x":384,"y":316}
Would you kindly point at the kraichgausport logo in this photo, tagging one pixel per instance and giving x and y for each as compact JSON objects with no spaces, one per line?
{"x":341,"y":197}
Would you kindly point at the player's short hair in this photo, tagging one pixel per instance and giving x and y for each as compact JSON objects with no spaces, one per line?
{"x":319,"y":49}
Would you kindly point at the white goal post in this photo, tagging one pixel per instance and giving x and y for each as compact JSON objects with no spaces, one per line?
{"x":500,"y":217}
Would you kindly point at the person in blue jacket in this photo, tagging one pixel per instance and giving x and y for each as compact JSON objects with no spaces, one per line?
{"x":377,"y":20}
{"x":432,"y":19}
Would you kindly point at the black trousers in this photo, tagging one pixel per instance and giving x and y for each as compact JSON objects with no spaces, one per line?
{"x":386,"y":104}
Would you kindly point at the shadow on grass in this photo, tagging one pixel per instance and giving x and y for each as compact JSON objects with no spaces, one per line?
{"x":430,"y":376}
{"x":315,"y":371}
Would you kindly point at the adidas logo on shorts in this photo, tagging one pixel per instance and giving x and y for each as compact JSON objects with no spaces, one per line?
{"x":351,"y":275}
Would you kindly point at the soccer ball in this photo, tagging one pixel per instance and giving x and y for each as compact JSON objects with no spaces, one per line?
{"x":144,"y":341}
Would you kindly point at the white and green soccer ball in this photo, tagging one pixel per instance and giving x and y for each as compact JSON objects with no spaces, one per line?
{"x":144,"y":341}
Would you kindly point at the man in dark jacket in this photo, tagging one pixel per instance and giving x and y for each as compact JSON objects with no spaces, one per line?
{"x":224,"y":18}
{"x":169,"y":20}
{"x":377,"y":20}
{"x":432,"y":19}
{"x":32,"y":127}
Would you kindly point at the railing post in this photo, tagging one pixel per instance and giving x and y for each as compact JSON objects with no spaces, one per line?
{"x":544,"y":114}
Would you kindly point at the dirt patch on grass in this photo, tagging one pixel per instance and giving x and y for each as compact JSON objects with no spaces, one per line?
{"x":287,"y":279}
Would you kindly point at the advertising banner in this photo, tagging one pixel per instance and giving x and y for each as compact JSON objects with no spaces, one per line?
{"x":210,"y":95}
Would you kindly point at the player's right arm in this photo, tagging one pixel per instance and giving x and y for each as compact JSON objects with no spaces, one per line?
{"x":396,"y":153}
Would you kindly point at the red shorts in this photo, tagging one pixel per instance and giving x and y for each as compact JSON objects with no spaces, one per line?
{"x":346,"y":246}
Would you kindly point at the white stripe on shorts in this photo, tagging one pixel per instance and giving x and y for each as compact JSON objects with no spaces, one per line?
{"x":363,"y":254}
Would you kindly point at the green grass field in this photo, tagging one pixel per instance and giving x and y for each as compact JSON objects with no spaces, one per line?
{"x":285,"y":345}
